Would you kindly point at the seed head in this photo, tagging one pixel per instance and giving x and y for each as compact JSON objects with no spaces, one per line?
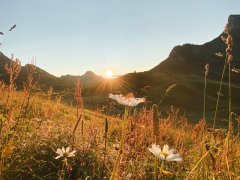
{"x":228,"y":50}
{"x":13,"y":27}
{"x":170,"y":88}
{"x":206,"y":69}
{"x":223,"y":38}
{"x":227,"y":29}
{"x":229,"y":40}
{"x":230,"y":58}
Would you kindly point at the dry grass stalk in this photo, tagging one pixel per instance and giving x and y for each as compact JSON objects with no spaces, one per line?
{"x":170,"y":88}
{"x":78,"y":95}
{"x":75,"y":129}
{"x":229,"y":43}
{"x":156,"y":131}
{"x":13,"y":69}
{"x":228,"y":60}
{"x":30,"y":85}
{"x":50,"y":93}
{"x":205,"y":88}
{"x":105,"y":142}
{"x":4,"y":35}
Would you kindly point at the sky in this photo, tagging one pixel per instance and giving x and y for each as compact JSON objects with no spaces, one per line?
{"x":75,"y":36}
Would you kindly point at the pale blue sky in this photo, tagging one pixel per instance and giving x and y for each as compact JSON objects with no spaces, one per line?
{"x":73,"y":36}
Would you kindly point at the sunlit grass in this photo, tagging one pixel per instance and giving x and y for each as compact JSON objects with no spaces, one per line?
{"x":48,"y":125}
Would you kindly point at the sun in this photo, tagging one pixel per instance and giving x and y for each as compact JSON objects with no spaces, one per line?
{"x":109,"y":73}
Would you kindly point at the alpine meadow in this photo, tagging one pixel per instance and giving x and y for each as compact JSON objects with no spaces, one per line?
{"x":178,"y":120}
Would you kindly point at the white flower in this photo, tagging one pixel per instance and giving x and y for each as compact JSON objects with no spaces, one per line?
{"x":235,"y":70}
{"x":127,"y":100}
{"x":165,"y":153}
{"x":65,"y":153}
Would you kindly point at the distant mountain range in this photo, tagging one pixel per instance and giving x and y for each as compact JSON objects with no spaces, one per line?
{"x":184,"y":67}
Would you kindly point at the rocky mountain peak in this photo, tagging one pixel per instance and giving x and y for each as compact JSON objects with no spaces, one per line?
{"x":234,"y":24}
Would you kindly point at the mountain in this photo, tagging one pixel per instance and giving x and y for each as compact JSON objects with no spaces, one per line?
{"x":184,"y":67}
{"x":87,"y":80}
{"x":46,"y":80}
{"x":192,"y":56}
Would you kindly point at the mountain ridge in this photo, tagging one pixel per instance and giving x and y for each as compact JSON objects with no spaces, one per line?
{"x":184,"y":66}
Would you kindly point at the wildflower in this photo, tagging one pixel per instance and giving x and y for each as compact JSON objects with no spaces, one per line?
{"x":165,"y":153}
{"x":236,"y":70}
{"x":65,"y":153}
{"x":128,"y":100}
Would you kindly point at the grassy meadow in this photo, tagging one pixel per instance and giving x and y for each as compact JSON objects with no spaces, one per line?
{"x":34,"y":125}
{"x":43,"y":137}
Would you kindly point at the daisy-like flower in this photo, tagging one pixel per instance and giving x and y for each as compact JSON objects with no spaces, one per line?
{"x":128,"y":100}
{"x":236,"y":70}
{"x":165,"y":153}
{"x":65,"y":153}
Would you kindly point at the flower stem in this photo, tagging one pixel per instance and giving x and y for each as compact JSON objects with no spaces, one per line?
{"x":155,"y":163}
{"x":124,"y":132}
{"x":198,"y":163}
{"x":229,"y":108}
{"x":162,"y":99}
{"x":62,"y":173}
{"x":230,"y":102}
{"x":161,"y":167}
{"x":204,"y":98}
{"x":219,"y":92}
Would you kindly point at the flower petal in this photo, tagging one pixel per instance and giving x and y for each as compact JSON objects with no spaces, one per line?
{"x":171,"y":151}
{"x":170,"y":157}
{"x":152,"y":151}
{"x":178,"y":159}
{"x":59,"y":151}
{"x":174,"y":157}
{"x":72,"y":153}
{"x":127,"y":101}
{"x":155,"y":150}
{"x":161,"y":156}
{"x":165,"y":148}
{"x":177,"y":156}
{"x":58,"y":157}
{"x":67,"y":149}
